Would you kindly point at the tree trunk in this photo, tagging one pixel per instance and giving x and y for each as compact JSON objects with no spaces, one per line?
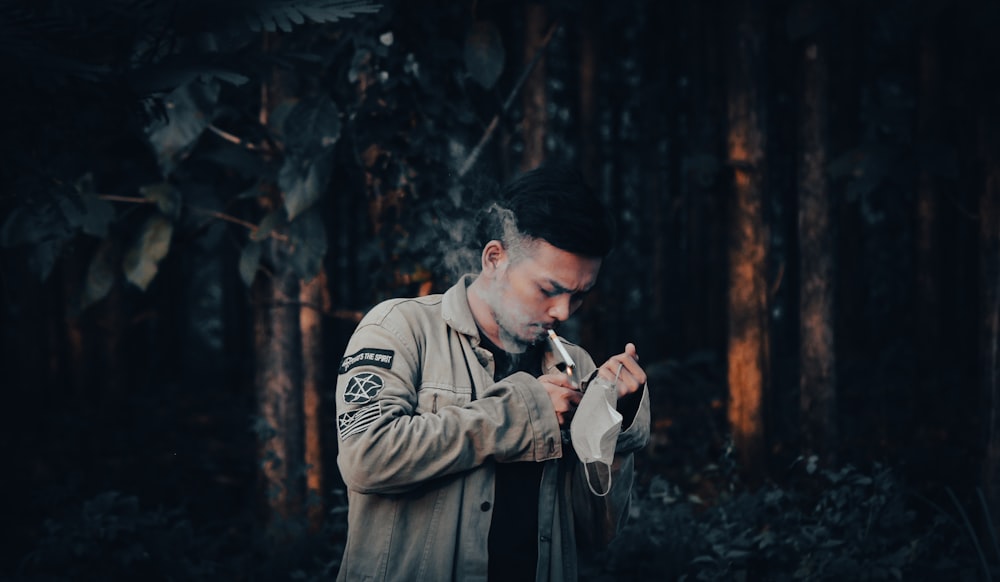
{"x":279,"y":387}
{"x":315,"y":300}
{"x":657,"y":69}
{"x":278,"y":357}
{"x":590,"y":142}
{"x":817,"y":386}
{"x":700,"y":141}
{"x":748,"y":344}
{"x":588,"y":91}
{"x":534,"y":88}
{"x":989,"y":305}
{"x":929,"y":320}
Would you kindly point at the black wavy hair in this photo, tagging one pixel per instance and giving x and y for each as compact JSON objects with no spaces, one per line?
{"x":555,"y":204}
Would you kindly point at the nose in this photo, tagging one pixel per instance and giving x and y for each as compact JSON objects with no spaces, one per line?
{"x":559,"y":308}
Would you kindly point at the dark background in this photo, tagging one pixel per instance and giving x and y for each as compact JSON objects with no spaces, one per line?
{"x":174,"y":173}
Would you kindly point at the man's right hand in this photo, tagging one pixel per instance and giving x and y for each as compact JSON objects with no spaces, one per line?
{"x":564,"y":396}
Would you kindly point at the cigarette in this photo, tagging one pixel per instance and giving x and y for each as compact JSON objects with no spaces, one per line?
{"x":570,"y":364}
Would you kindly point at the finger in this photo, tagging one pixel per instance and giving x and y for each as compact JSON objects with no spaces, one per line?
{"x":629,"y":384}
{"x":622,"y":364}
{"x":560,"y":379}
{"x":631,"y":364}
{"x":631,"y":351}
{"x":630,"y":376}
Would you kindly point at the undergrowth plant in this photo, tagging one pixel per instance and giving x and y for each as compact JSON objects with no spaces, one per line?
{"x":842,"y":524}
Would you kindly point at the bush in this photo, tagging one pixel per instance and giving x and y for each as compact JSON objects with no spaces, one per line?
{"x":111,"y":538}
{"x":833,"y":525}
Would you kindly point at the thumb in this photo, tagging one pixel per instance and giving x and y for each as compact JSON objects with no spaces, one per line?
{"x":630,"y":351}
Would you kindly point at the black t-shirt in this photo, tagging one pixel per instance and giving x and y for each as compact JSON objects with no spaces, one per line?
{"x":513,"y":542}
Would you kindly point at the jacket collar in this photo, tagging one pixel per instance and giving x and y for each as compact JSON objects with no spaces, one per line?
{"x":456,"y":311}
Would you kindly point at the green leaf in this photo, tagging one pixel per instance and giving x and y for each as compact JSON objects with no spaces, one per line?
{"x":86,"y":212}
{"x":43,"y":257}
{"x":249,"y":261}
{"x":189,"y":110}
{"x":484,"y":53}
{"x":280,"y":113}
{"x":176,"y":70}
{"x":311,"y":126}
{"x":267,"y":224}
{"x":100,"y":275}
{"x":167,"y":198}
{"x":99,"y":214}
{"x":307,"y":237}
{"x":11,"y":231}
{"x":143,"y":258}
{"x":251,"y":192}
{"x":72,"y":209}
{"x":283,"y":15}
{"x":34,"y":224}
{"x":302,"y":186}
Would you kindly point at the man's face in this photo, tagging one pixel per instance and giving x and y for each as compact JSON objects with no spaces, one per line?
{"x":530,"y":294}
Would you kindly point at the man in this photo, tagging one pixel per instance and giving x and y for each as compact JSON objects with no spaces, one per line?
{"x":454,"y":409}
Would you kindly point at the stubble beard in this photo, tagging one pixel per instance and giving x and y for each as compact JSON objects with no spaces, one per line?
{"x":513,"y":325}
{"x":512,"y":341}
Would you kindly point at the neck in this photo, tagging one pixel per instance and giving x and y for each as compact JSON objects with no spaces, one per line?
{"x":485,"y":319}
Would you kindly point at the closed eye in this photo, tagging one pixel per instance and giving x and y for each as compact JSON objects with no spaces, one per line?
{"x":557,"y":290}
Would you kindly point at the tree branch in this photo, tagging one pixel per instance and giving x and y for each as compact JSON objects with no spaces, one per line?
{"x":232,"y":138}
{"x":474,"y":155}
{"x":129,"y":199}
{"x":213,"y":213}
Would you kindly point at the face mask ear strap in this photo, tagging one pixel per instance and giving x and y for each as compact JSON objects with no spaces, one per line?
{"x":586,"y":471}
{"x":618,"y":374}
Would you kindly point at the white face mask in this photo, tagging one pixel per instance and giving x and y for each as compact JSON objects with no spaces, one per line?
{"x":594,"y":431}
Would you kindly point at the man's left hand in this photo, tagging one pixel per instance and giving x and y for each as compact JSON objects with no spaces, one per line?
{"x":632,"y":377}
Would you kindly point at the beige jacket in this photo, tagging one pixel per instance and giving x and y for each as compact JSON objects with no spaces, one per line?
{"x":421,"y":425}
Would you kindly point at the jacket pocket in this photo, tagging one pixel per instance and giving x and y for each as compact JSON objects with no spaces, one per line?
{"x":431,"y":398}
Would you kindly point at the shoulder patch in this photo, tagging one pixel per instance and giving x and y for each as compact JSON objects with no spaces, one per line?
{"x":363,"y":388}
{"x":367,"y":357}
{"x":357,"y":421}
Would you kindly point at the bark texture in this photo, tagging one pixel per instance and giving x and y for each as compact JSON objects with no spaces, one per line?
{"x":748,"y":338}
{"x":817,"y":353}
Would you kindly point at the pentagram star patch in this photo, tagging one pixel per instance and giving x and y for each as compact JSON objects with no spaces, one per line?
{"x":363,"y":388}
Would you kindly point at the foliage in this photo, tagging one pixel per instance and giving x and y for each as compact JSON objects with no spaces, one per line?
{"x":372,"y":111}
{"x":831,"y":525}
{"x":840,"y":524}
{"x":152,"y":80}
{"x":112,"y":538}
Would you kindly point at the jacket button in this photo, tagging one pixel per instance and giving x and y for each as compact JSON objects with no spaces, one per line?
{"x":485,"y":506}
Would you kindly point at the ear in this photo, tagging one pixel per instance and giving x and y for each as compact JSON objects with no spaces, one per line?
{"x":494,"y":255}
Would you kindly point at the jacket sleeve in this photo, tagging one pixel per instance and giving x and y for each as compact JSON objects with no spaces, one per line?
{"x":599,"y":519}
{"x":389,"y":446}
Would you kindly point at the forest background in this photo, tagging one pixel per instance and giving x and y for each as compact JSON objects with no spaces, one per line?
{"x":199,"y":200}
